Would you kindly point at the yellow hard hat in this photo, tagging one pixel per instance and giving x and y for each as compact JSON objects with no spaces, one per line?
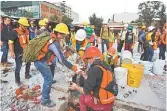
{"x":143,"y":27}
{"x":42,"y":23}
{"x":46,"y":20}
{"x":23,"y":21}
{"x":62,"y":28}
{"x":85,"y":23}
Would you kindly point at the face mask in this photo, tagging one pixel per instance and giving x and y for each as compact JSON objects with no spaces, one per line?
{"x":89,"y":65}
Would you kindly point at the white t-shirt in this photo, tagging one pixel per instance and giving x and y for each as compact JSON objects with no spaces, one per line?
{"x":122,"y":34}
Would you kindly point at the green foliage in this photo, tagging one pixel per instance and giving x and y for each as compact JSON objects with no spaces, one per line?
{"x":66,"y":20}
{"x":151,"y":9}
{"x":54,"y":18}
{"x":97,"y":22}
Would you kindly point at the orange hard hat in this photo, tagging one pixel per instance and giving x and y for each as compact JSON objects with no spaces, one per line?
{"x":111,"y":51}
{"x":92,"y":52}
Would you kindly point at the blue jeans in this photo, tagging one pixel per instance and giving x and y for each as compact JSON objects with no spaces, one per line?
{"x":18,"y":61}
{"x":162,"y":49}
{"x":4,"y":50}
{"x":44,"y":69}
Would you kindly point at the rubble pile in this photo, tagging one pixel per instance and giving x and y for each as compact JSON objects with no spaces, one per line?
{"x":68,"y":73}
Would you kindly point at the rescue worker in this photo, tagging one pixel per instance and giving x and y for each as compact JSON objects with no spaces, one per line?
{"x":148,"y":51}
{"x":92,"y":94}
{"x":42,"y":24}
{"x":149,"y":34}
{"x":121,"y":40}
{"x":162,"y":43}
{"x":47,"y":22}
{"x":129,"y":39}
{"x":155,"y":37}
{"x":81,"y":43}
{"x":90,"y":37}
{"x":105,"y":34}
{"x":43,"y":60}
{"x":141,"y":38}
{"x":5,"y":33}
{"x":32,"y":30}
{"x":72,"y":34}
{"x":112,"y":37}
{"x":85,"y":24}
{"x":111,"y":58}
{"x":18,"y":40}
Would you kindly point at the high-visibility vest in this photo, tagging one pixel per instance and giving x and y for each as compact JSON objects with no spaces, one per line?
{"x":23,"y":37}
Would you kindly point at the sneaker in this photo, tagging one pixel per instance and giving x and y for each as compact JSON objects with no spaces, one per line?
{"x":49,"y":104}
{"x":54,"y":81}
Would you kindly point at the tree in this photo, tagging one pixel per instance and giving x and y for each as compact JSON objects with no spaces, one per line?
{"x":162,"y":14}
{"x":151,"y":9}
{"x":66,"y":20}
{"x":97,"y":22}
{"x":54,"y":18}
{"x":27,"y":14}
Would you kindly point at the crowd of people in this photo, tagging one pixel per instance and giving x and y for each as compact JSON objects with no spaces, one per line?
{"x":99,"y":89}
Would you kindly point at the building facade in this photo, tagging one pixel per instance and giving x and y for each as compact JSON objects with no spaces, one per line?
{"x":75,"y":16}
{"x":31,"y":9}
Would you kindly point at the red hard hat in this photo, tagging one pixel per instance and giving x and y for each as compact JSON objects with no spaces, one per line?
{"x":111,"y":51}
{"x":92,"y":52}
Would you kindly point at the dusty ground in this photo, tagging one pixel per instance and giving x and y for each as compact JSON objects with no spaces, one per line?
{"x":151,"y":95}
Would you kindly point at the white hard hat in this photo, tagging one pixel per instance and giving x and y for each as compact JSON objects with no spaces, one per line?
{"x":150,"y":28}
{"x":125,"y":25}
{"x":80,"y":35}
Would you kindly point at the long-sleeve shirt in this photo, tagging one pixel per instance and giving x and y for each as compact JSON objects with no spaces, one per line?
{"x":57,"y":49}
{"x":5,"y":33}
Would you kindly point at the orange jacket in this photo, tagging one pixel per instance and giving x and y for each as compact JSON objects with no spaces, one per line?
{"x":23,"y":37}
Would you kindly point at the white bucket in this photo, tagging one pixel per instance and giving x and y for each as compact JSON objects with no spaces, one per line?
{"x":158,"y":67}
{"x":126,"y":57}
{"x":121,"y":76}
{"x":156,"y":55}
{"x":147,"y":66}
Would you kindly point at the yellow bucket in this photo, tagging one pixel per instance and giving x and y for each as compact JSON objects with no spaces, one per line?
{"x":135,"y":74}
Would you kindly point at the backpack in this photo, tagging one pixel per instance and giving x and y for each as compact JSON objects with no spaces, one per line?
{"x":108,"y":88}
{"x":31,"y":52}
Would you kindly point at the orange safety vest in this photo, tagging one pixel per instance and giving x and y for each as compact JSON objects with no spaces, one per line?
{"x":45,"y":50}
{"x":23,"y":37}
{"x":105,"y":96}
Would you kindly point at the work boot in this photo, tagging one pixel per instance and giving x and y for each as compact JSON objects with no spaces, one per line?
{"x":27,"y":76}
{"x":49,"y":104}
{"x":17,"y":78}
{"x":54,"y":81}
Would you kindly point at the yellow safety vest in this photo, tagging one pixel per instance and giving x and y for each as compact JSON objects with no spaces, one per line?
{"x":106,"y":60}
{"x":72,"y":39}
{"x":148,"y":36}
